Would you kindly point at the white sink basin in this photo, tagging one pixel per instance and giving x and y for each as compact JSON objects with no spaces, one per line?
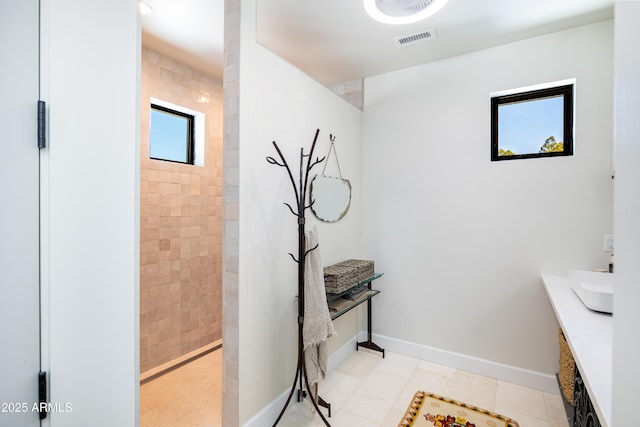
{"x":595,"y":289}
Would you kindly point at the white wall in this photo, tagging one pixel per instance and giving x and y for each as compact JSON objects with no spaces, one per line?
{"x":626,"y":371}
{"x":462,"y":240}
{"x":90,"y":174}
{"x":280,"y":103}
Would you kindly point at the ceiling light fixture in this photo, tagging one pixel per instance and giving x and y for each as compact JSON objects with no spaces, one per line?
{"x":402,"y":11}
{"x":144,"y":8}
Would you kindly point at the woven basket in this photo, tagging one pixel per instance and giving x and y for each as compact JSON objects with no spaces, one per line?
{"x":567,"y":368}
{"x":346,"y":274}
{"x":364,"y":268}
{"x":338,"y":278}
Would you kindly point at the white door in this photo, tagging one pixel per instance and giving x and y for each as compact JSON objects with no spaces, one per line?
{"x":19,"y":213}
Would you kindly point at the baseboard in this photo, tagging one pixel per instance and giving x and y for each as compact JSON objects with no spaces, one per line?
{"x":536,"y":380}
{"x":512,"y":374}
{"x":338,"y":356}
{"x":267,"y":415}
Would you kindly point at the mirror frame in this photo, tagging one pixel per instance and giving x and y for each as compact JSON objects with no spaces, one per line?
{"x":323,"y":216}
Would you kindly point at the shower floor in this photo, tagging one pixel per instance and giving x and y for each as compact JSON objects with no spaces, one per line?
{"x":190,"y":395}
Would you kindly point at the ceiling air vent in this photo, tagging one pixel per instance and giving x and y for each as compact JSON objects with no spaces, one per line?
{"x":416,"y":37}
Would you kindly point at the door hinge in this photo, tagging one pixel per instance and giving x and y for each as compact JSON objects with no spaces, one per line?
{"x":42,"y":124}
{"x":42,"y":394}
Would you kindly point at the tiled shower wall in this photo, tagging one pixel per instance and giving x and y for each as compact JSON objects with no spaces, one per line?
{"x":180,"y":222}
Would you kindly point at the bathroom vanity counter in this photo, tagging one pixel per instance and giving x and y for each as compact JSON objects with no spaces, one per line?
{"x":590,"y":338}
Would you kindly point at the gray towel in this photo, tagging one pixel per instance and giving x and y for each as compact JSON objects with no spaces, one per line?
{"x":317,"y":326}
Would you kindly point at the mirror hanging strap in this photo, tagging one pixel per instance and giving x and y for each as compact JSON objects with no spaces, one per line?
{"x":335,"y":152}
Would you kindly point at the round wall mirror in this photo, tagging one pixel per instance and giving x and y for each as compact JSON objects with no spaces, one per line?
{"x":331,"y":197}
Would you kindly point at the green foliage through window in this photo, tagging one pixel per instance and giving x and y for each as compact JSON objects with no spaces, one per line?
{"x":552,"y":146}
{"x":503,"y":152}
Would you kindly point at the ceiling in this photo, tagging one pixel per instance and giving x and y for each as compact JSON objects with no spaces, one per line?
{"x":190,"y":31}
{"x":335,"y":41}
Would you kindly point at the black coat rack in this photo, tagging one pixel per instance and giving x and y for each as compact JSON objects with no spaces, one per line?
{"x":300,"y":191}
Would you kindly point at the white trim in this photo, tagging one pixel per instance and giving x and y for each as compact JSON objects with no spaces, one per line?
{"x":512,"y":374}
{"x":267,"y":415}
{"x":338,"y":356}
{"x":198,"y":137}
{"x":45,"y":193}
{"x":536,"y":87}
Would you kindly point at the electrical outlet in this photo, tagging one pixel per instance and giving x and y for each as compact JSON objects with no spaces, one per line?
{"x":608,"y":242}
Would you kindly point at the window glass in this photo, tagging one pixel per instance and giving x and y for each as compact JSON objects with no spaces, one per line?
{"x":171,"y":135}
{"x":536,"y":123}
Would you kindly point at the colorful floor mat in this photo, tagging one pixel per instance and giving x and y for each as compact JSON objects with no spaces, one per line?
{"x":430,"y":410}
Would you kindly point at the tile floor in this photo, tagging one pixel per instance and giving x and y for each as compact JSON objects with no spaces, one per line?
{"x":190,"y":396}
{"x":364,"y":391}
{"x":368,"y":391}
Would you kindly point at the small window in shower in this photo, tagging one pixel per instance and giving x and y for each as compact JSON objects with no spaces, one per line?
{"x":171,"y":135}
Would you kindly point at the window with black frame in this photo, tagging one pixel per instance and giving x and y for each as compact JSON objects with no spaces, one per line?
{"x":171,"y":135}
{"x":532,"y":124}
